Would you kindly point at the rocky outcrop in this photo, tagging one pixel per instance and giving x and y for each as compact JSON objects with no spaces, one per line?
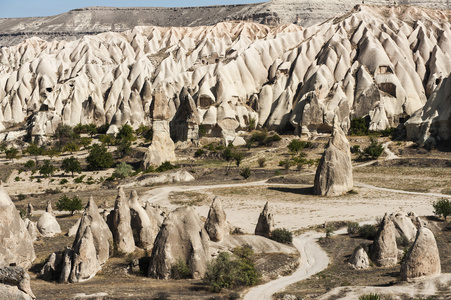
{"x":32,"y":230}
{"x":185,"y":124}
{"x":359,"y":259}
{"x":85,"y":263}
{"x":404,"y":226}
{"x":334,"y":173}
{"x":48,"y":225}
{"x":73,"y":230}
{"x":16,"y":246}
{"x":265,"y":224}
{"x":49,"y":208}
{"x":384,"y":251}
{"x":119,"y":223}
{"x":182,"y":237}
{"x":30,"y":210}
{"x":99,"y":229}
{"x":423,"y":259}
{"x":162,"y":147}
{"x":145,"y":231}
{"x":154,"y":214}
{"x":216,"y":223}
{"x":52,"y":268}
{"x":15,"y":283}
{"x":66,"y":267}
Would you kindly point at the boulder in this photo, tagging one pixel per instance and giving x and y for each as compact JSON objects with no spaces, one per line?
{"x":423,"y":259}
{"x":216,"y":223}
{"x":16,"y":245}
{"x":99,"y":229}
{"x":384,"y":251}
{"x":144,"y":230}
{"x":265,"y":223}
{"x":404,"y":226}
{"x":16,"y":277}
{"x":334,"y":173}
{"x":119,"y":222}
{"x":48,"y":225}
{"x":181,"y":237}
{"x":359,"y":259}
{"x":85,"y":264}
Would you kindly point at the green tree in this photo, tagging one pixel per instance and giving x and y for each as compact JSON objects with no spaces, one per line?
{"x":91,"y":129}
{"x":85,"y":141}
{"x":79,"y":128}
{"x":47,"y":169}
{"x":125,"y":132}
{"x":296,"y":146}
{"x":246,"y":173}
{"x":238,"y":157}
{"x":282,"y":235}
{"x":71,"y":165}
{"x":11,"y":153}
{"x":123,"y":170}
{"x":99,"y":158}
{"x":53,"y":151}
{"x":69,"y":204}
{"x":71,"y":147}
{"x":3,"y":147}
{"x":34,"y":149}
{"x":107,"y":139}
{"x":64,"y":134}
{"x":374,"y":150}
{"x":358,"y":127}
{"x":124,"y":147}
{"x":442,"y":207}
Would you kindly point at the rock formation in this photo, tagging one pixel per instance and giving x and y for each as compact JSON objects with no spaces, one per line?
{"x":16,"y":246}
{"x":154,"y":215}
{"x":30,"y":210}
{"x":384,"y":251}
{"x":85,"y":263}
{"x":99,"y":229}
{"x":404,"y":226}
{"x":32,"y":230}
{"x":265,"y":224}
{"x":334,"y":173}
{"x":360,"y":64}
{"x":15,"y":283}
{"x":422,"y":260}
{"x":119,"y":223}
{"x":48,"y":225}
{"x":73,"y":230}
{"x":52,"y":268}
{"x":49,"y":208}
{"x":216,"y":223}
{"x":359,"y":259}
{"x":182,"y":237}
{"x":185,"y":124}
{"x":145,"y":231}
{"x":66,"y":266}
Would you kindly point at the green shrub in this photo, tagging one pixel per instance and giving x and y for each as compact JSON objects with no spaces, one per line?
{"x":442,"y":208}
{"x":99,"y":158}
{"x":367,"y":231}
{"x":79,"y":179}
{"x":47,"y":169}
{"x":371,"y":296}
{"x":282,"y":235}
{"x":297,"y":145}
{"x":232,"y":270}
{"x":12,"y":153}
{"x":353,"y":227}
{"x":17,"y":178}
{"x":199,"y":152}
{"x":355,"y":149}
{"x":166,"y":166}
{"x":71,"y":147}
{"x":180,"y":270}
{"x":123,"y":170}
{"x":69,"y":204}
{"x":145,"y":131}
{"x":202,"y":130}
{"x":123,"y":147}
{"x":358,"y":127}
{"x":30,"y":164}
{"x":238,"y":157}
{"x":125,"y":133}
{"x":246,"y":172}
{"x":102,"y":129}
{"x":388,"y":132}
{"x":374,"y":150}
{"x":21,"y":197}
{"x":63,"y":181}
{"x":261,"y":162}
{"x":71,"y":165}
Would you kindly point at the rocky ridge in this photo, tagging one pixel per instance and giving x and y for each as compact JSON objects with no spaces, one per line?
{"x":382,"y":63}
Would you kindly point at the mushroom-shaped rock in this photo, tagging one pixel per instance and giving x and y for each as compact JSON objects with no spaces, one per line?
{"x":265,"y":223}
{"x":16,"y":246}
{"x":99,"y":230}
{"x":334,"y":173}
{"x":85,"y":264}
{"x":404,"y":226}
{"x":359,"y":259}
{"x":181,"y":237}
{"x":15,"y":283}
{"x":422,"y":259}
{"x":145,"y":230}
{"x":48,"y":225}
{"x":216,"y":223}
{"x":119,"y":223}
{"x":384,"y":251}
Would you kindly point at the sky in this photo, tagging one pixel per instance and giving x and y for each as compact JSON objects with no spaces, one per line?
{"x":40,"y":8}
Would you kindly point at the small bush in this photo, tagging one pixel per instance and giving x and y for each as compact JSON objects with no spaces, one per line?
{"x":353,"y":227}
{"x":388,"y":132}
{"x":17,"y":178}
{"x":261,"y":162}
{"x":199,"y":152}
{"x":21,"y":197}
{"x":358,"y":127}
{"x":355,"y":149}
{"x":30,"y":164}
{"x":99,"y":158}
{"x":367,"y":231}
{"x":63,"y":181}
{"x":69,"y":204}
{"x":79,"y":179}
{"x":166,"y":166}
{"x":180,"y":270}
{"x":123,"y":170}
{"x":47,"y":169}
{"x":371,"y":296}
{"x":442,"y":208}
{"x":246,"y":172}
{"x":53,"y":191}
{"x":282,"y":235}
{"x":297,"y":145}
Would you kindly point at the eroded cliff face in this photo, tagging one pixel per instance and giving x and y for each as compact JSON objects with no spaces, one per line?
{"x":379,"y":62}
